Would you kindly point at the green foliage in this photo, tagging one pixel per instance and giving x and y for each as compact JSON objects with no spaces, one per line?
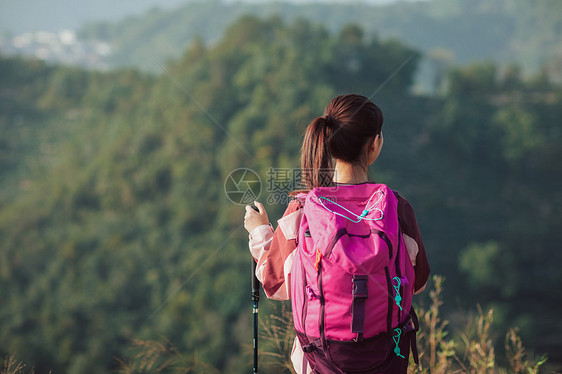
{"x":114,"y":225}
{"x":521,"y":135}
{"x":479,"y":261}
{"x":475,"y":78}
{"x":124,"y":232}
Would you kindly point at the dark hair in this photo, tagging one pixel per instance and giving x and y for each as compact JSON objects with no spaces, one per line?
{"x":349,"y":122}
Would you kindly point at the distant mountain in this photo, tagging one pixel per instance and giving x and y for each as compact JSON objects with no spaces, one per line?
{"x":506,"y":31}
{"x":20,"y":16}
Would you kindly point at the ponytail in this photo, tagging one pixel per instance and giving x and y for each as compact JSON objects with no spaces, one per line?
{"x":350,"y":122}
{"x":316,"y":161}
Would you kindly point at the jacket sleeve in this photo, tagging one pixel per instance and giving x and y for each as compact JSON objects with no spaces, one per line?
{"x":274,"y":251}
{"x":414,"y":243}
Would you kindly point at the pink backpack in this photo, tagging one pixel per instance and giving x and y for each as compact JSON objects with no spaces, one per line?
{"x":352,"y":282}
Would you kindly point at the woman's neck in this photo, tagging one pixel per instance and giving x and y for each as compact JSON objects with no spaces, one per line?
{"x":350,"y":173}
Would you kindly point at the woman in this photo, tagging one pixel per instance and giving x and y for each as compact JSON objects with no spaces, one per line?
{"x":294,"y":262}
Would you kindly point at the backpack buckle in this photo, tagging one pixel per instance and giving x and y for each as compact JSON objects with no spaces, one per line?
{"x":360,"y":291}
{"x":360,"y":294}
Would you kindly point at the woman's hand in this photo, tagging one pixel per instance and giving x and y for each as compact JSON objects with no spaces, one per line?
{"x":253,"y":219}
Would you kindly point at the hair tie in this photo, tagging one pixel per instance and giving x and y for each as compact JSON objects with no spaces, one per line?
{"x":331,"y":122}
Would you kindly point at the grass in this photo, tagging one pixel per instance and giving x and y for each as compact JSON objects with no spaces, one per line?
{"x":472,"y":352}
{"x":475,"y":352}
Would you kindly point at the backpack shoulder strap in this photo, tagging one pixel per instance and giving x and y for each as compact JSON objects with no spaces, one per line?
{"x":289,"y":224}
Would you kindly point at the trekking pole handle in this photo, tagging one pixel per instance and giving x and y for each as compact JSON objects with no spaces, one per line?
{"x":255,"y":301}
{"x":255,"y":281}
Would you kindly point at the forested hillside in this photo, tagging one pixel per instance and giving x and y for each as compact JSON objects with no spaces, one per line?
{"x":447,"y":32}
{"x":114,"y":223}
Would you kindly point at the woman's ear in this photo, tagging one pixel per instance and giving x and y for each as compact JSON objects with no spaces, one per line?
{"x":379,"y":140}
{"x":375,"y":148}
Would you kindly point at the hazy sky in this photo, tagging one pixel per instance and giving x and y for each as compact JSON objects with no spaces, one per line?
{"x":18,"y":16}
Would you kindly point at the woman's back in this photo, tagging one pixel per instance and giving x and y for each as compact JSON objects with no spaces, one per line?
{"x":347,"y":252}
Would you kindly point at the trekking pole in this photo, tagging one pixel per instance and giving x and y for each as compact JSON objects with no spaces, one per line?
{"x":255,"y":301}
